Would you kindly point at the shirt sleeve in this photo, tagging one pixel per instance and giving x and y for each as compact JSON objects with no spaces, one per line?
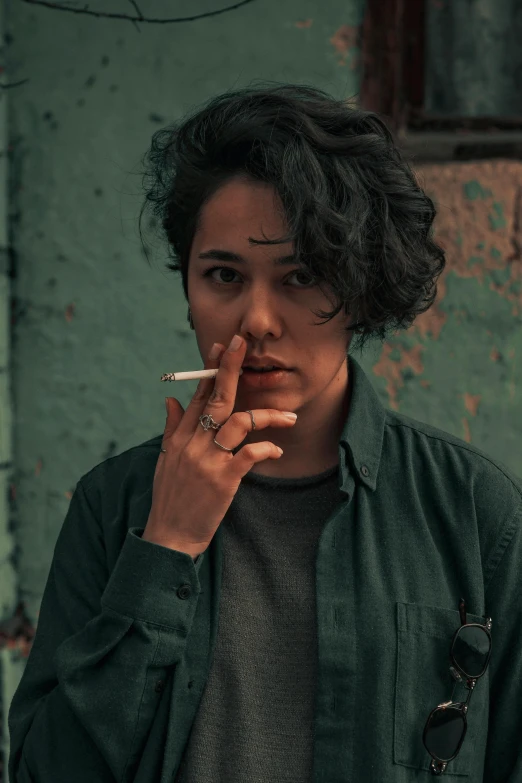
{"x":503,"y":759}
{"x":87,"y":697}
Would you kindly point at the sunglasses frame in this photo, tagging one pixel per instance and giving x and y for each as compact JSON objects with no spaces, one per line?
{"x":438,"y":766}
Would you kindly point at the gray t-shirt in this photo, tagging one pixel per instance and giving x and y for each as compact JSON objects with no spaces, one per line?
{"x":255,"y":720}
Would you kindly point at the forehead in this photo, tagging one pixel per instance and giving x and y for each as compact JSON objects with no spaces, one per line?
{"x":242,"y":206}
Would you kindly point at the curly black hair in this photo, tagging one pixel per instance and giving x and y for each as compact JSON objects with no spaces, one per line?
{"x":360,"y":222}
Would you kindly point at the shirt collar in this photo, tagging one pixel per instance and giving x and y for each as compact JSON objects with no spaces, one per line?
{"x":363,"y":432}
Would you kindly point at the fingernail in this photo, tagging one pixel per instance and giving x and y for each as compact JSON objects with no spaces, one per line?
{"x":236,"y":342}
{"x":214,"y":351}
{"x":166,"y":404}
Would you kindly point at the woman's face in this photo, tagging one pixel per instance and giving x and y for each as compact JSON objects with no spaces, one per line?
{"x":268,"y":304}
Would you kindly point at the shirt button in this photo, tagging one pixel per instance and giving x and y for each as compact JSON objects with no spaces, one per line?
{"x":364,"y":470}
{"x":159,"y":686}
{"x":185,"y":591}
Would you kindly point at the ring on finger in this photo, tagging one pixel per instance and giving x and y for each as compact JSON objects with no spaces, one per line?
{"x":207,"y":421}
{"x":218,"y":426}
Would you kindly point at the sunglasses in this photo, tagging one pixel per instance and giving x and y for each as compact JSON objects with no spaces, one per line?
{"x":446,"y":726}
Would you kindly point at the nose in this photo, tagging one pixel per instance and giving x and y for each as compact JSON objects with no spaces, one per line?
{"x":261,"y":314}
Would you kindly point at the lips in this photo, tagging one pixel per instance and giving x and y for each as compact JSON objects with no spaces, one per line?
{"x":262,"y":369}
{"x":259,"y":381}
{"x":263,"y":361}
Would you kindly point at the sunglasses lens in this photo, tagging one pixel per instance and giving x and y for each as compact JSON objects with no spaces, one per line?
{"x":471,"y":650}
{"x":444,"y":733}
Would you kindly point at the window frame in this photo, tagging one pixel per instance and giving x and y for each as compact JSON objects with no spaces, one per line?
{"x":393,"y":84}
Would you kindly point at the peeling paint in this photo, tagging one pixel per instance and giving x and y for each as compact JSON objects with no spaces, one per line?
{"x":479,"y":208}
{"x":471,"y":402}
{"x":473,"y":190}
{"x":393,"y":370}
{"x":475,"y":260}
{"x":304,"y":23}
{"x":460,"y":226}
{"x":347,"y":41}
{"x":467,"y":432}
{"x":498,"y":220}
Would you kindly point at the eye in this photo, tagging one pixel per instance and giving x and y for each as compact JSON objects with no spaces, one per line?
{"x":208,"y":273}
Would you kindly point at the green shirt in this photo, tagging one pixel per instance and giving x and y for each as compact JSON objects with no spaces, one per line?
{"x":308,"y":643}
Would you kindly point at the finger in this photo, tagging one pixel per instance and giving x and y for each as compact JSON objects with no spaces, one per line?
{"x":223,"y":397}
{"x":186,"y":426}
{"x":220,"y":403}
{"x":239,"y":425}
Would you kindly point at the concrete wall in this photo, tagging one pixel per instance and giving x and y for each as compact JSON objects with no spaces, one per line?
{"x":93,"y":327}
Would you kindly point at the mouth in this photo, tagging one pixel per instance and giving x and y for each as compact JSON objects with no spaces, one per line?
{"x":264,"y":379}
{"x":269,"y":368}
{"x":262,"y":363}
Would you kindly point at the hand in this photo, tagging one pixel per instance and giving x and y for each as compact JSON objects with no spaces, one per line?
{"x":195,"y":481}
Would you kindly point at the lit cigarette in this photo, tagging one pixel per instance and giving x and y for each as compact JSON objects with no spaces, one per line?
{"x":191,"y":376}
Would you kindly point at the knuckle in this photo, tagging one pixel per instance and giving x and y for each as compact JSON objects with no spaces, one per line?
{"x":240,"y":417}
{"x":199,"y":395}
{"x":251,"y":450}
{"x":217,"y":397}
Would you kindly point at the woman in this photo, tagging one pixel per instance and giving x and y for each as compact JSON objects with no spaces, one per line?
{"x":216,"y":611}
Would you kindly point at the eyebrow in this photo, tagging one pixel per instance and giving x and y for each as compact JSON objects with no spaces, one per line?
{"x":227,"y":255}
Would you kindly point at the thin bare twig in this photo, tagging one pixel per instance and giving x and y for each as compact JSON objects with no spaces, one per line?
{"x":14,"y":84}
{"x":140,"y":17}
{"x":136,"y":8}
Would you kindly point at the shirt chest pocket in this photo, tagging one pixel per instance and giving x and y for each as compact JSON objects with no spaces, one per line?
{"x":423,"y":681}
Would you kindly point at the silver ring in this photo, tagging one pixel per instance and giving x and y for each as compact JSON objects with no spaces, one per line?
{"x":211,"y":423}
{"x":207,"y":422}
